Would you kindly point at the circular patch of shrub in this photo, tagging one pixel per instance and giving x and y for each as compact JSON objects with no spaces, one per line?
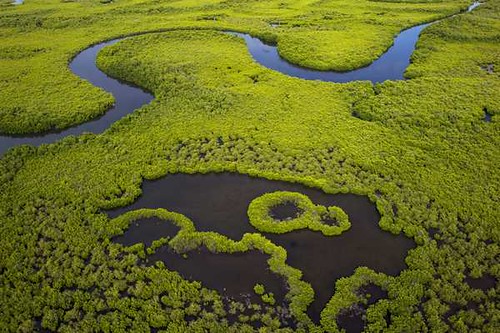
{"x":310,"y":216}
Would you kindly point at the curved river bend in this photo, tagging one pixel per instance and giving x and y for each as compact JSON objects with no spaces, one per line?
{"x":390,"y":66}
{"x":365,"y":244}
{"x":127,"y":99}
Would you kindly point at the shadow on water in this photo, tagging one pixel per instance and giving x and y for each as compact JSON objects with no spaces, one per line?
{"x":219,"y":202}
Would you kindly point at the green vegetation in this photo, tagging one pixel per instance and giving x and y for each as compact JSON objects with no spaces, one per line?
{"x":307,"y":30}
{"x":269,"y":298}
{"x":419,"y":149}
{"x":312,"y":216}
{"x":346,"y":296}
{"x":300,"y":294}
{"x":259,"y":289}
{"x":266,"y":298}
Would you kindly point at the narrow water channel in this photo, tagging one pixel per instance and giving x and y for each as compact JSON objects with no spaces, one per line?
{"x":219,"y":202}
{"x":390,"y":66}
{"x":127,"y":99}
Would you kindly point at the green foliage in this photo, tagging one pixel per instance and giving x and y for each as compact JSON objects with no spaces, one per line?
{"x":269,"y":298}
{"x":346,"y":296}
{"x":188,"y":239}
{"x":312,"y":216}
{"x":259,"y":289}
{"x":38,"y":93}
{"x":421,"y":151}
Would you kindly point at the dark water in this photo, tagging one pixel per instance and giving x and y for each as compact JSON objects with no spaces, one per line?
{"x":351,"y":319}
{"x":233,"y":275}
{"x":219,"y":202}
{"x":285,"y":211}
{"x":390,"y":66}
{"x":147,"y":230}
{"x":487,"y":117}
{"x":484,"y":283}
{"x":127,"y":99}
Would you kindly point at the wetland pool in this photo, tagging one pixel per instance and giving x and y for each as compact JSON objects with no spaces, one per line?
{"x":219,"y":203}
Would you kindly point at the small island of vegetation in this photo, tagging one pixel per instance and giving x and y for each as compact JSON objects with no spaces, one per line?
{"x":248,"y":169}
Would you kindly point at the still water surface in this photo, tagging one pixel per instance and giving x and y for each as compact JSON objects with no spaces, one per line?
{"x":390,"y":66}
{"x":219,"y":202}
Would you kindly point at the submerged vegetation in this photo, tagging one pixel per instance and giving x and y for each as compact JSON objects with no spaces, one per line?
{"x":420,"y":149}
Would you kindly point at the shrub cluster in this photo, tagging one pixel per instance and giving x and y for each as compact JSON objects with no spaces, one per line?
{"x":311,"y":216}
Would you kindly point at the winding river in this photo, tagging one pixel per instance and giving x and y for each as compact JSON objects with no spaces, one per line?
{"x":390,"y":66}
{"x":204,"y":198}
